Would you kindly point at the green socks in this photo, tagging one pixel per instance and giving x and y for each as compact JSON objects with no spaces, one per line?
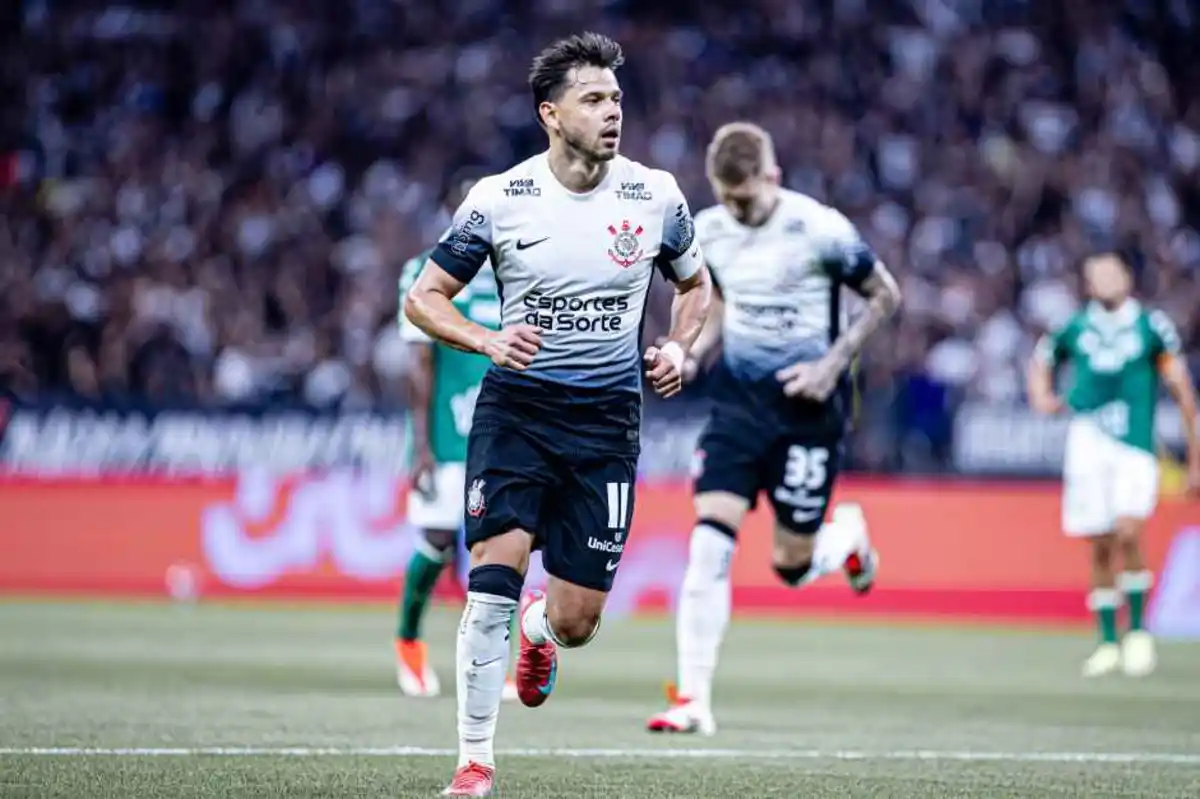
{"x":419,"y":580}
{"x":1135,"y":586}
{"x":1104,"y":603}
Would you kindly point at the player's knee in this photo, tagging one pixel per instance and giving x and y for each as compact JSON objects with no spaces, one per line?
{"x":722,"y":509}
{"x":791,"y":575}
{"x":507,"y":549}
{"x":792,"y":556}
{"x":1128,"y":532}
{"x":573,"y":614}
{"x":1103,"y":548}
{"x":440,"y":540}
{"x":575,"y":628}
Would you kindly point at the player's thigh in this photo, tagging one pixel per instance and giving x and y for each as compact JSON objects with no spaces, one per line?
{"x":444,"y":509}
{"x":586,"y":522}
{"x":507,"y":479}
{"x":727,"y":466}
{"x":1135,"y":487}
{"x":800,"y":475}
{"x":1087,"y":508}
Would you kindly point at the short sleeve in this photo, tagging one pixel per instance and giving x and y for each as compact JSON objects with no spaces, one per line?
{"x":843,"y":251}
{"x":1164,"y":335}
{"x":465,"y":248}
{"x":679,"y":256}
{"x":408,"y":276}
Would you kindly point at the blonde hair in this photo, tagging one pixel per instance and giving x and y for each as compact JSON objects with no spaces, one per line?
{"x":739,"y":151}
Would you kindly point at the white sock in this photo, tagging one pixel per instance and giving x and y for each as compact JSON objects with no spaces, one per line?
{"x":534,"y":623}
{"x":703,"y":614}
{"x":482,"y":660}
{"x":833,"y":543}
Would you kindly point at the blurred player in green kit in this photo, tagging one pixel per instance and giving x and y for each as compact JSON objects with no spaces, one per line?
{"x":443,"y":385}
{"x":1118,"y":351}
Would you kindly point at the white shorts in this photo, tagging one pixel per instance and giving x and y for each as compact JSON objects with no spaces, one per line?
{"x":1104,"y":480}
{"x":445,"y":510}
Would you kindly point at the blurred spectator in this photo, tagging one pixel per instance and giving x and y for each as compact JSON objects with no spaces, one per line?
{"x":210,"y":201}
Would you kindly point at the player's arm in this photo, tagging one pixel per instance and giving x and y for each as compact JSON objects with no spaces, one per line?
{"x":418,"y":385}
{"x":1039,"y":374}
{"x":1175,"y":376}
{"x":710,"y":334}
{"x":852,"y":263}
{"x":681,"y":262}
{"x":457,"y":258}
{"x":882,"y":293}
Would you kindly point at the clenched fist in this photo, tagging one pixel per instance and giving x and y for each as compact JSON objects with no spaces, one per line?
{"x":514,"y":347}
{"x":664,"y":367}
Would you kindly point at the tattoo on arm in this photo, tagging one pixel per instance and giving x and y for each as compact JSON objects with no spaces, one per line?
{"x":883,"y":298}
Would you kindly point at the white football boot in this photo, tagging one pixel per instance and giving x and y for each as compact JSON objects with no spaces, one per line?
{"x":1105,"y":660}
{"x":685,"y":717}
{"x":1138,"y":656}
{"x":863,"y":563}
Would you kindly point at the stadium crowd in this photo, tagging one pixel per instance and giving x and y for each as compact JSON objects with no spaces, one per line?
{"x":211,"y":201}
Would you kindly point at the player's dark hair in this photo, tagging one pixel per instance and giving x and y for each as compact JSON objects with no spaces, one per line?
{"x":552,"y":67}
{"x":739,"y":151}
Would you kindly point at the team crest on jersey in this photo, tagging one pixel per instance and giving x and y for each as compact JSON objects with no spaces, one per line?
{"x":626,"y":249}
{"x":475,"y":503}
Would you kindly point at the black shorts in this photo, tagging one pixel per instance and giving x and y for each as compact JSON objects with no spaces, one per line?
{"x":797,"y":465}
{"x":564,"y":470}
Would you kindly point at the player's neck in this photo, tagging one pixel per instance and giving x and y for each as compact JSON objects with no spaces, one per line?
{"x":576,"y":173}
{"x":1113,"y":305}
{"x":772,"y":205}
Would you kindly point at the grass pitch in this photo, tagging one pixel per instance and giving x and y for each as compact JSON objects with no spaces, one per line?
{"x":151,"y":700}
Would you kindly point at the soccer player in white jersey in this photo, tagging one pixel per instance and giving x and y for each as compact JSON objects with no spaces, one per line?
{"x":574,"y":235}
{"x":782,"y":397}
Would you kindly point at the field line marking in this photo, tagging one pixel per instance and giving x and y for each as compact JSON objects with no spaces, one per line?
{"x":932,"y":755}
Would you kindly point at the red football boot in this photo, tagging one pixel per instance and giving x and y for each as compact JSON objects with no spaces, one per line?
{"x":473,"y":779}
{"x":537,"y":664}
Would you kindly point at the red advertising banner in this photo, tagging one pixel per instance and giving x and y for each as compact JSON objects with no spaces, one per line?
{"x":973,"y":550}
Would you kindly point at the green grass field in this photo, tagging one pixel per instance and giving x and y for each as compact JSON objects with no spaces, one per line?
{"x":150,"y":700}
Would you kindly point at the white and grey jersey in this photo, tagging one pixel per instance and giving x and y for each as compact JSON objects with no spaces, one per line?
{"x":577,"y":266}
{"x":781,"y":282}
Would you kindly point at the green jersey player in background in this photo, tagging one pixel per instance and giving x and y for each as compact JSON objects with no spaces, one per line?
{"x":1117,"y":351}
{"x":443,"y":383}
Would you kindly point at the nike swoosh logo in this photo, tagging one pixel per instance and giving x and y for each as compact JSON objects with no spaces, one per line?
{"x":479,"y":664}
{"x":548,"y":686}
{"x":610,"y":566}
{"x":525,"y":245}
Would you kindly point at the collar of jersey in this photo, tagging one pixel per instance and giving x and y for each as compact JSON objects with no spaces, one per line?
{"x":1123,"y":316}
{"x":548,"y":175}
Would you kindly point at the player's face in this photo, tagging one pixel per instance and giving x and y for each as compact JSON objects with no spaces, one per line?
{"x":588,"y":115}
{"x":750,"y":202}
{"x":1107,"y":279}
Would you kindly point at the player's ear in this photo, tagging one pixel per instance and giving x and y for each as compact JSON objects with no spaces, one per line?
{"x":548,"y":114}
{"x":773,"y":175}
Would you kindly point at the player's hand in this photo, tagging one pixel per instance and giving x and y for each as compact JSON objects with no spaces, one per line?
{"x":1048,"y":404}
{"x":691,"y":367}
{"x":814,"y":380}
{"x":664,"y":368}
{"x":514,"y":347}
{"x":422,"y":473}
